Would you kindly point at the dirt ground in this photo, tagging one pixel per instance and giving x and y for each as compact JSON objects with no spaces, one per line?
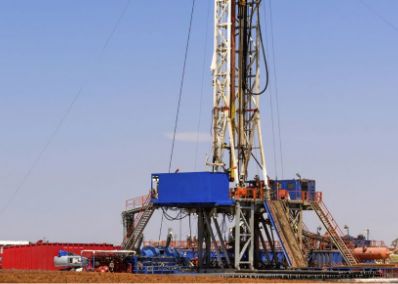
{"x":14,"y":276}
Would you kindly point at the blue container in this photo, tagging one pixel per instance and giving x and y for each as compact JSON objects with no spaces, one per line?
{"x":191,"y":189}
{"x":296,"y":187}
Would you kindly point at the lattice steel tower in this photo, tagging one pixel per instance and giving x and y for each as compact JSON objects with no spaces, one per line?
{"x":237,"y":135}
{"x":236,"y":82}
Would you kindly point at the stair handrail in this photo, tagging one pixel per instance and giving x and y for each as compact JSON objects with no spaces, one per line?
{"x":145,"y":202}
{"x":137,"y":202}
{"x":339,"y":242}
{"x":331,"y":218}
{"x":131,"y":238}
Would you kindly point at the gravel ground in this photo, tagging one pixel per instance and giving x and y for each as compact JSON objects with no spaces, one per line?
{"x":15,"y":276}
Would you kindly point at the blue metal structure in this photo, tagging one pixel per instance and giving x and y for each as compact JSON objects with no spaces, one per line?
{"x":325,"y":258}
{"x":160,"y":260}
{"x":297,"y":188}
{"x":194,"y":189}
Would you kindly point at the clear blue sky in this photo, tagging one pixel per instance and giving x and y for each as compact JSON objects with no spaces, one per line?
{"x":337,"y":70}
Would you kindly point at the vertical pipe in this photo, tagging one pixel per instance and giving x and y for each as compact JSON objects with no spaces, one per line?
{"x":214,"y":67}
{"x":251,"y":246}
{"x":207,"y":238}
{"x":264,"y":245}
{"x":232,"y":106}
{"x":256,"y":242}
{"x":232,"y":95}
{"x":241,"y":19}
{"x":200,"y":240}
{"x":237,"y":235}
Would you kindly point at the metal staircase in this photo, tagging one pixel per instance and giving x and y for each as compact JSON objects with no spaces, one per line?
{"x":138,"y":225}
{"x":334,"y":231}
{"x":279,"y":219}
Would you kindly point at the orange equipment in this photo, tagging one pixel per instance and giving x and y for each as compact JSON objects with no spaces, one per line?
{"x":371,"y":253}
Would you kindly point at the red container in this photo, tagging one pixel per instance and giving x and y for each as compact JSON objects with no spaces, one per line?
{"x":1,"y":257}
{"x":40,"y":256}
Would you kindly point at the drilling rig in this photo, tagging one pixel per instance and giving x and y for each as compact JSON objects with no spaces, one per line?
{"x":266,"y":214}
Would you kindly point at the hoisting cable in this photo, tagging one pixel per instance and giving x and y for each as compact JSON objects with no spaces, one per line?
{"x":181,"y":85}
{"x":272,"y":116}
{"x":276,"y":86}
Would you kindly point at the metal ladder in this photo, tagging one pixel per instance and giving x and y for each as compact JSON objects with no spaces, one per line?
{"x":334,"y":231}
{"x":290,"y":245}
{"x":140,"y":222}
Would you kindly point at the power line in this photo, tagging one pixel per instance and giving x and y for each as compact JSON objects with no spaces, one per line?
{"x":63,"y":118}
{"x":181,"y":85}
{"x":115,"y":26}
{"x":381,"y":17}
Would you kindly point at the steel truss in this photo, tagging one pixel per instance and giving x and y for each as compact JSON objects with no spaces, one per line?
{"x":244,"y":234}
{"x":236,"y":81}
{"x":209,"y":239}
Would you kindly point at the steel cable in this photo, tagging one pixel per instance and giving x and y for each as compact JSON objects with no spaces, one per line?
{"x":63,"y":118}
{"x":181,"y":85}
{"x":202,"y":86}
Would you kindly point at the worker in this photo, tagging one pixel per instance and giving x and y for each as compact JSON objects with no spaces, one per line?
{"x":111,"y":266}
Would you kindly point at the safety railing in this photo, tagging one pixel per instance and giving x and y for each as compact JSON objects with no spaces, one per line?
{"x":134,"y":203}
{"x":318,"y":196}
{"x":174,"y":244}
{"x":137,"y":202}
{"x":330,"y":218}
{"x":296,"y":195}
{"x":180,"y":244}
{"x":247,"y":193}
{"x":374,"y":243}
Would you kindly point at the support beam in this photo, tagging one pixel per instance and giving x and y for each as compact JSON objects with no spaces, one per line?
{"x":224,"y":249}
{"x":209,"y":228}
{"x":244,"y":235}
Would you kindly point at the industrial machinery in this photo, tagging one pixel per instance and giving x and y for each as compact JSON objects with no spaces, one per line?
{"x":263,"y":210}
{"x":69,"y":261}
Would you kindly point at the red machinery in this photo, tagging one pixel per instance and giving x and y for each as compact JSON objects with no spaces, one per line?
{"x":40,"y":256}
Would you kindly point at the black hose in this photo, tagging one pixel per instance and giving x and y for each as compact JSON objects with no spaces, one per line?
{"x":246,"y":88}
